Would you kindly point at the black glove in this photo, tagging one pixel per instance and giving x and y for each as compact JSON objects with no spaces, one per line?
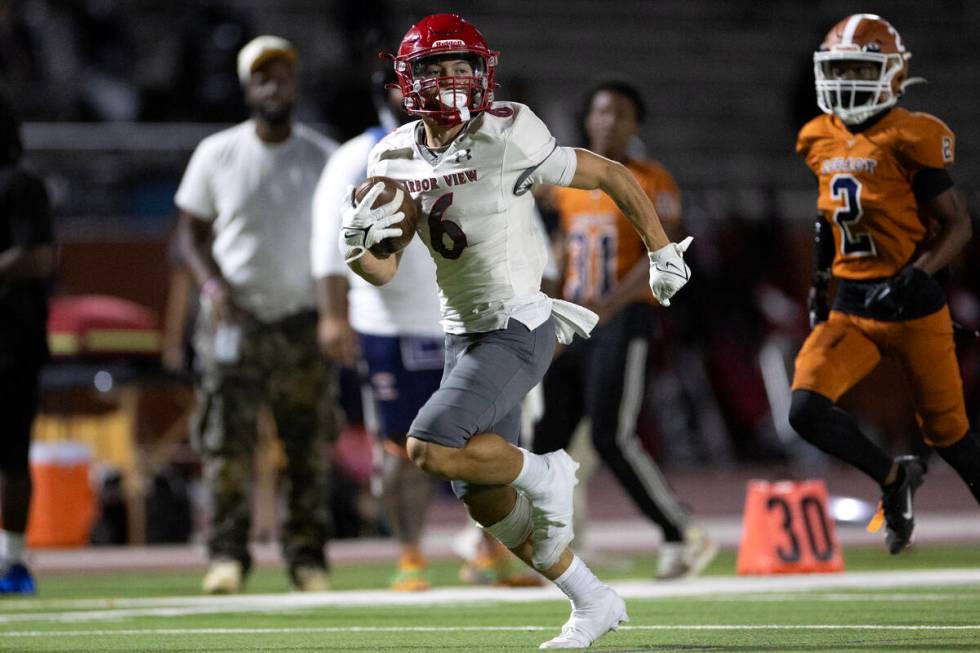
{"x":889,"y":299}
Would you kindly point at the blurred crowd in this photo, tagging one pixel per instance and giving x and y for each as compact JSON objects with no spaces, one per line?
{"x":106,"y":61}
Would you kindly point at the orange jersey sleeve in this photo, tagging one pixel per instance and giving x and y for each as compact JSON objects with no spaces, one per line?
{"x":926,"y":142}
{"x":600,"y":243}
{"x":865,"y":186}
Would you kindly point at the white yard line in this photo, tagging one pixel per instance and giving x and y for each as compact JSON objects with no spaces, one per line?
{"x":727,"y":586}
{"x":460,"y":629}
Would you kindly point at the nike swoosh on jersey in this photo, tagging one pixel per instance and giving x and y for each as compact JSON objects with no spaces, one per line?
{"x":523,"y":183}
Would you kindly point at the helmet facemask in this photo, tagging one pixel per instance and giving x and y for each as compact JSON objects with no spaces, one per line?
{"x":856,"y":100}
{"x":450,"y":99}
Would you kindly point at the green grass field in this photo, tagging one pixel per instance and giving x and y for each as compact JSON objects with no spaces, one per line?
{"x":899,"y":608}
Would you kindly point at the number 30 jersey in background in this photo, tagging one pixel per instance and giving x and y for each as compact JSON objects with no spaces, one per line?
{"x":477,"y":214}
{"x":601,"y":245}
{"x":866,"y":189}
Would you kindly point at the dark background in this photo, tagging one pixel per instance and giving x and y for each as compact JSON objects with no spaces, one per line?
{"x":115,"y":95}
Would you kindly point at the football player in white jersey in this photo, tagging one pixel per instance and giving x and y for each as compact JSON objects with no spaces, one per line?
{"x":469,"y":164}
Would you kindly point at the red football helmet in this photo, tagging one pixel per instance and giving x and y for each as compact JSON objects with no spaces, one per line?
{"x":449,"y":100}
{"x":861,"y":68}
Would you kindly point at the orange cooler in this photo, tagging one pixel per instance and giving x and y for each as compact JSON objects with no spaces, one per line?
{"x":63,"y":506}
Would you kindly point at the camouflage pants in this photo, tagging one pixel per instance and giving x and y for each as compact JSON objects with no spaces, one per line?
{"x":279,"y":366}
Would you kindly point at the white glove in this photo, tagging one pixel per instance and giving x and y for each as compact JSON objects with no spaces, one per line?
{"x":363,"y":227}
{"x":668,"y":271}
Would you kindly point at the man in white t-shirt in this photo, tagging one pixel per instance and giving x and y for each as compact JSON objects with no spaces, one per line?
{"x":244,"y":231}
{"x":470,"y":163}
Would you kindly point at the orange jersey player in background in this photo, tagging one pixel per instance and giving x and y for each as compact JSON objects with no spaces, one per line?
{"x":600,"y":247}
{"x":604,"y":379}
{"x":887,"y":198}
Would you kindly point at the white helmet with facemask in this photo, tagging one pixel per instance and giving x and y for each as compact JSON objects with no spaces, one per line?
{"x":861,"y":68}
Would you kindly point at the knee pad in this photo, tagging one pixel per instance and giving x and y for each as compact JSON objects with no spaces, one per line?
{"x":515,"y":528}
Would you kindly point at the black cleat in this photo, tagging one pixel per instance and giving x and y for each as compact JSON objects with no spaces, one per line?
{"x":896,"y":502}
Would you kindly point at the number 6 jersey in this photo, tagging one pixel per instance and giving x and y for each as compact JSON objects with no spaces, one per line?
{"x":866,"y":189}
{"x":478,"y":214}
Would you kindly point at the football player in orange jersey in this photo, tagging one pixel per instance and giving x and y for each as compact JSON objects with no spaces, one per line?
{"x":889,"y":219}
{"x":604,"y":378}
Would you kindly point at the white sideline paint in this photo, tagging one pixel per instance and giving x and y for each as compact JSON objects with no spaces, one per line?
{"x":607,"y":536}
{"x":114,"y":609}
{"x":460,"y":629}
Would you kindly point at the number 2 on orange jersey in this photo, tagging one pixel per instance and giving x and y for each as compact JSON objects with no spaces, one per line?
{"x":853,"y":243}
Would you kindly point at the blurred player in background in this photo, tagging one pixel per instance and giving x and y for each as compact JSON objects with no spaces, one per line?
{"x":394,"y":329}
{"x":27,"y":263}
{"x":603,"y":378}
{"x":244,"y":229}
{"x":894,"y":220}
{"x":471,"y":163}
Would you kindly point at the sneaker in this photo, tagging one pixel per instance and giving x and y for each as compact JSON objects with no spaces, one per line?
{"x":552,"y":509}
{"x":411,"y":575}
{"x":896,"y":502}
{"x":309,"y":578}
{"x":17,"y":579}
{"x":589,"y":623}
{"x":224,"y":577}
{"x":687,"y":558}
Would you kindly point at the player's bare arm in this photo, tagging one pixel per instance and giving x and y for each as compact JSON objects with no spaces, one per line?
{"x":374,"y":270}
{"x":633,"y":287}
{"x":950,"y":210}
{"x":615,"y":180}
{"x":668,"y":271}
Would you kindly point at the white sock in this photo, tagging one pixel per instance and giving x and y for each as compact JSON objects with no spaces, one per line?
{"x":579,"y":583}
{"x":11,"y":547}
{"x":533,"y":473}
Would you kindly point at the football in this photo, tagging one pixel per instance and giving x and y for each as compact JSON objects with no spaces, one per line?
{"x":408,"y":224}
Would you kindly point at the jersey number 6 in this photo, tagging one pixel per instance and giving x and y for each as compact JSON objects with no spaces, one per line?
{"x":439,"y":229}
{"x":847,"y":190}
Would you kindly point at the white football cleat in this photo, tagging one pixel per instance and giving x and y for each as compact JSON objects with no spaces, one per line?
{"x":687,"y":558}
{"x":552,"y":510}
{"x":223,"y":577}
{"x":589,"y":623}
